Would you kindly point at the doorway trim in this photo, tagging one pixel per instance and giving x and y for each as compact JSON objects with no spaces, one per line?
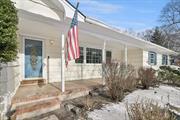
{"x":24,"y":37}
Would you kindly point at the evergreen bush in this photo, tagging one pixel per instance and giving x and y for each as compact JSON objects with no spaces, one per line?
{"x":8,"y":28}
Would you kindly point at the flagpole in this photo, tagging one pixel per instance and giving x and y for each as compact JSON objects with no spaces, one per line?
{"x":72,"y":31}
{"x":62,"y":64}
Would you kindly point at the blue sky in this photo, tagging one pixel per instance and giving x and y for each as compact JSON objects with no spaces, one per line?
{"x":125,"y":14}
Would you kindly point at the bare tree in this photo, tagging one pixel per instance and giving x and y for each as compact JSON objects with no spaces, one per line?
{"x":155,"y":35}
{"x":146,"y":35}
{"x":170,"y":19}
{"x":170,"y":16}
{"x":130,"y":31}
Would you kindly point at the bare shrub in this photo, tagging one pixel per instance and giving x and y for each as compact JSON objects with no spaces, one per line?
{"x":148,"y":110}
{"x":90,"y":104}
{"x":119,"y":79}
{"x":147,"y":77}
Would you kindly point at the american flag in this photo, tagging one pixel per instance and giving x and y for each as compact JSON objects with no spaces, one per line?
{"x":72,"y":43}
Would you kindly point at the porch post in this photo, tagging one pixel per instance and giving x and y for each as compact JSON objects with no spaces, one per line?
{"x":103,"y":60}
{"x":125,"y":55}
{"x":62,"y":64}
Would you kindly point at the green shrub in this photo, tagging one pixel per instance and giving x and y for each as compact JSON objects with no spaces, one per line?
{"x":161,"y":75}
{"x":8,"y":28}
{"x":169,"y":75}
{"x":147,"y":77}
{"x":176,"y":72}
{"x":168,"y":68}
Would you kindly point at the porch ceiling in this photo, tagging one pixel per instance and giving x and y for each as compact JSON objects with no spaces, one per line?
{"x":97,"y":41}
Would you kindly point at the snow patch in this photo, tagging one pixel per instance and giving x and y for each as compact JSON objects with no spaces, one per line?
{"x":162,"y":95}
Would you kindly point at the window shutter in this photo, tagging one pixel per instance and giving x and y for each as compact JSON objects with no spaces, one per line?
{"x":149,"y":58}
{"x":155,"y":63}
{"x":162,"y":59}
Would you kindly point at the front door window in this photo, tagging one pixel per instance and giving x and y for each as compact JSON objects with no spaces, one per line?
{"x":33,"y":59}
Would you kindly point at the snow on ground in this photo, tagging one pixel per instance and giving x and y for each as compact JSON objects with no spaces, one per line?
{"x":162,"y":95}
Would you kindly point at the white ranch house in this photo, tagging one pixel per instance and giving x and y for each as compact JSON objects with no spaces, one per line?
{"x":42,"y":29}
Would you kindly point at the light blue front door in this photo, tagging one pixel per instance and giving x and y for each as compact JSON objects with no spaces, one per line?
{"x":33,"y":59}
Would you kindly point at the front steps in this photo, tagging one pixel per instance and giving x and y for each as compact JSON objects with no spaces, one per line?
{"x":37,"y":105}
{"x":32,"y":101}
{"x":30,"y":108}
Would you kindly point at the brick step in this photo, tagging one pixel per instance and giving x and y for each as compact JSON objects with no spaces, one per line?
{"x":14,"y":105}
{"x":34,"y":98}
{"x":32,"y":82}
{"x":35,"y":108}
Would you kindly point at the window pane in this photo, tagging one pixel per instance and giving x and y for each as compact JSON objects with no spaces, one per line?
{"x":93,"y":55}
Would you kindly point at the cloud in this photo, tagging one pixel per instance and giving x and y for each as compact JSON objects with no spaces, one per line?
{"x":99,"y":7}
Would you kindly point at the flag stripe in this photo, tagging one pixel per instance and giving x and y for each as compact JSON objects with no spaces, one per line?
{"x":70,"y":46}
{"x":73,"y":44}
{"x":78,"y":50}
{"x":75,"y":41}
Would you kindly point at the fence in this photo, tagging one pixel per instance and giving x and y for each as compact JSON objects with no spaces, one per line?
{"x":9,"y":80}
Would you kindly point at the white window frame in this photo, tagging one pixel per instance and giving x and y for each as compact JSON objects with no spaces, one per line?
{"x":93,"y":62}
{"x":152,"y":58}
{"x":164,"y":60}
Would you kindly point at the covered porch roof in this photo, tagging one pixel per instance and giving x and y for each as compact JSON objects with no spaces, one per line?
{"x":97,"y":29}
{"x":109,"y":33}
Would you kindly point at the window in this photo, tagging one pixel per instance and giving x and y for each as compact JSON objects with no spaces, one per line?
{"x":81,"y":58}
{"x":172,"y":60}
{"x":93,"y":55}
{"x":152,"y":58}
{"x":164,"y":59}
{"x":108,"y":56}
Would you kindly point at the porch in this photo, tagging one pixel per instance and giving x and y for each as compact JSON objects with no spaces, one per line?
{"x":95,"y":43}
{"x":34,"y":100}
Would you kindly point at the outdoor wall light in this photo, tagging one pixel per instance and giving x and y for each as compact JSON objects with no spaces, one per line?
{"x":51,"y":42}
